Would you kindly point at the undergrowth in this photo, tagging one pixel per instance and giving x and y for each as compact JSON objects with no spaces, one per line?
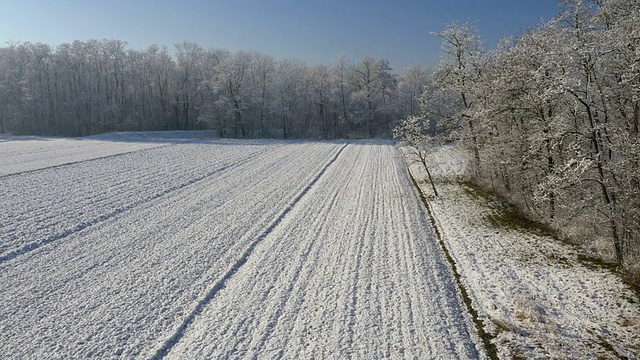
{"x":504,"y":215}
{"x":629,"y":278}
{"x":507,"y":216}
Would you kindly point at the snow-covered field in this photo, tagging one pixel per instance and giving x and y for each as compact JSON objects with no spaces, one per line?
{"x":220,"y":249}
{"x":531,"y":291}
{"x":21,"y":154}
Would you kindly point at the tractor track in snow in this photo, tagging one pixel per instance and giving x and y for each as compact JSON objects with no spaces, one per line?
{"x":117,"y":288}
{"x":220,"y":284}
{"x":15,"y":162}
{"x":349,"y":273}
{"x":306,"y":250}
{"x":102,"y":206}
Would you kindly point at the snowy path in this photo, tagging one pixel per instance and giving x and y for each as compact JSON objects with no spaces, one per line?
{"x":209,"y":250}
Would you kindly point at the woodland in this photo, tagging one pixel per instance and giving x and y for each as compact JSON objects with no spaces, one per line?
{"x":551,"y":120}
{"x":98,"y":86}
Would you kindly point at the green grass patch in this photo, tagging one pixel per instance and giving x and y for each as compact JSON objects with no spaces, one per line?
{"x":627,"y":277}
{"x":476,"y":192}
{"x":500,"y":325}
{"x":596,"y":263}
{"x":510,"y":218}
{"x":503,"y":215}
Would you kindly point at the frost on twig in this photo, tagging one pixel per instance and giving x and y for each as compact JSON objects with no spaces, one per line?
{"x":414,"y":132}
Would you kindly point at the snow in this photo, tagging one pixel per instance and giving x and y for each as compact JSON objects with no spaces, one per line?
{"x":21,"y":154}
{"x":168,"y":248}
{"x":532,"y":291}
{"x":90,"y":192}
{"x":362,"y":278}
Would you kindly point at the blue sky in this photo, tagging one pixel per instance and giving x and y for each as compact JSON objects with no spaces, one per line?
{"x":314,"y":31}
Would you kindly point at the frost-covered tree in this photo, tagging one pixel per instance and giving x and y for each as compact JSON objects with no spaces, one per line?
{"x":319,"y":91}
{"x":289,"y":100}
{"x":88,"y":87}
{"x":263,"y":72}
{"x":552,"y":118}
{"x":373,"y":84}
{"x":234,"y":71}
{"x":341,"y":89}
{"x":412,"y":82}
{"x":415,"y":134}
{"x":457,"y":74}
{"x":189,"y":57}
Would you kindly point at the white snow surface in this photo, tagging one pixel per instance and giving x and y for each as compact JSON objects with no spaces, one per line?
{"x":28,"y":153}
{"x":221,"y":249}
{"x":531,"y":291}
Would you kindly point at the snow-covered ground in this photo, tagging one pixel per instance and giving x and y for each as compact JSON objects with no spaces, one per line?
{"x":531,"y":291}
{"x":21,"y":154}
{"x":221,"y":249}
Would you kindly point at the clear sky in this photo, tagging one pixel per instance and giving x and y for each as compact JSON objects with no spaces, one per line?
{"x":314,"y":31}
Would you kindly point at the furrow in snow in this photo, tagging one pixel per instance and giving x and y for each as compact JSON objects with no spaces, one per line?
{"x":21,"y":157}
{"x":120,"y":288}
{"x":221,"y":283}
{"x":47,"y":206}
{"x":353,"y":271}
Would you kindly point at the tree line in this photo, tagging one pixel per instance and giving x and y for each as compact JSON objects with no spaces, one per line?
{"x":97,"y":86}
{"x":552,"y":119}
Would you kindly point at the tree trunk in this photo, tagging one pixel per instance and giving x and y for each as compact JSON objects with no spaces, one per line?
{"x":423,"y":159}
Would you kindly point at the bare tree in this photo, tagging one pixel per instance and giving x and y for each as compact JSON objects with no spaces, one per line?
{"x":414,"y":132}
